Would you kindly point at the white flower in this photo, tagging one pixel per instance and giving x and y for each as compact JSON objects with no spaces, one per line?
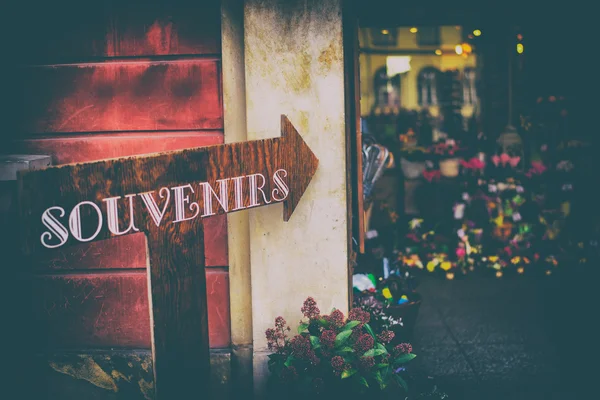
{"x":465,"y":196}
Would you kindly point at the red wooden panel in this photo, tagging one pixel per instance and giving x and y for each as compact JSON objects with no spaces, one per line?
{"x":100,"y":310}
{"x":126,"y":252}
{"x":215,"y":241}
{"x":83,"y":148}
{"x":121,"y":96}
{"x":217,"y":292}
{"x":74,"y":30}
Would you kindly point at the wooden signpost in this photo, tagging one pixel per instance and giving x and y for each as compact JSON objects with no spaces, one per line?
{"x":165,"y":196}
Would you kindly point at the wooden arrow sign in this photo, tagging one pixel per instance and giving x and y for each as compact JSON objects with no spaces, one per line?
{"x":165,"y":196}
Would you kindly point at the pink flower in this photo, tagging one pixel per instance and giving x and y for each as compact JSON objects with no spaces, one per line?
{"x":358,"y":314}
{"x":460,"y":252}
{"x":402,"y":348}
{"x":310,"y":309}
{"x":363,"y":343}
{"x":514,"y":161}
{"x":336,"y":319}
{"x":386,"y":336}
{"x":496,"y":160}
{"x":338,"y":365}
{"x":538,"y":167}
{"x":504,"y":158}
{"x":328,"y":338}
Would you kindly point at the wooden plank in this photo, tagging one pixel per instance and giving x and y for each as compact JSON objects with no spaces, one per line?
{"x":79,"y":311}
{"x":125,"y":252}
{"x":68,"y":31}
{"x":95,"y":147}
{"x":135,"y":96}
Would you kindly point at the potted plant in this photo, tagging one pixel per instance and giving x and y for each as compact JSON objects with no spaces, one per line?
{"x":335,"y":355}
{"x":413,"y":162}
{"x":448,"y":151}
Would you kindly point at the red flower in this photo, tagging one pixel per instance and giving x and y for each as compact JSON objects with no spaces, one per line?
{"x":328,"y":338}
{"x":301,"y":347}
{"x":363,"y":343}
{"x":431,"y":175}
{"x":386,"y":336}
{"x":280,"y":322}
{"x":358,"y":314}
{"x":336,"y":319}
{"x":310,"y":309}
{"x":338,"y":365}
{"x":402,"y":348}
{"x":366,"y":363}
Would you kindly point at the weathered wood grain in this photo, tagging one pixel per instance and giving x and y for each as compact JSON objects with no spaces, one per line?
{"x":96,"y":147}
{"x":123,"y":96}
{"x":79,"y":311}
{"x":66,"y":31}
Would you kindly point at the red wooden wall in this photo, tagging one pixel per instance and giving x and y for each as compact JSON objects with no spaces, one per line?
{"x":108,"y":79}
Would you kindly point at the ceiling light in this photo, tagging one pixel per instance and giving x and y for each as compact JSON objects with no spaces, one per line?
{"x":477,"y":32}
{"x":414,"y":30}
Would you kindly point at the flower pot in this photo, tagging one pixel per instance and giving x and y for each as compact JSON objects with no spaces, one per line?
{"x":408,"y":312}
{"x":412,"y":169}
{"x":449,"y":167}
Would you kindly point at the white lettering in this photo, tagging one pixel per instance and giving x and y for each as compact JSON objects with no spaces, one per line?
{"x":112,"y":215}
{"x":281,"y":186}
{"x":238,"y":185}
{"x":208,"y":192}
{"x":75,"y":221}
{"x":255,"y":188}
{"x":181,"y":200}
{"x":156,"y":213}
{"x":55,"y":227}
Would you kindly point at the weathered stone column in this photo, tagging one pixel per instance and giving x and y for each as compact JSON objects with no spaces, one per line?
{"x":294,"y":66}
{"x":234,"y":103}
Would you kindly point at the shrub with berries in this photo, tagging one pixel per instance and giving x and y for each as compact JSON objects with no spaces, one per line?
{"x":335,"y":355}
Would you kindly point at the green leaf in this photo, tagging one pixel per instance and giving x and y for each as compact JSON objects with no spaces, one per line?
{"x":379,"y":379}
{"x":342,"y":338}
{"x":315,"y":342}
{"x":363,"y":381}
{"x":401,"y":381}
{"x":302,"y":327}
{"x":348,"y":373}
{"x":381,"y":366}
{"x":374,"y":353}
{"x":404,"y":358}
{"x":289,"y":361}
{"x":350,"y":325}
{"x":323,"y":322}
{"x":345,"y":349}
{"x":382,"y":347}
{"x":369,"y":330}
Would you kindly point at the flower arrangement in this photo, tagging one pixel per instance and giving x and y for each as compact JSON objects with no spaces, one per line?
{"x":335,"y":355}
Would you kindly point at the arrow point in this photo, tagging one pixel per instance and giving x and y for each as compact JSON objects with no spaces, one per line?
{"x":301,"y":163}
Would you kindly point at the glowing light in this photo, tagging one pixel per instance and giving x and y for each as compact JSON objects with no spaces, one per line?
{"x":467,"y":49}
{"x":458,"y":49}
{"x":520,"y":270}
{"x":548,"y":272}
{"x":450,"y":275}
{"x":477,"y":32}
{"x":520,"y":37}
{"x":438,"y":52}
{"x":520,"y":48}
{"x":397,"y":65}
{"x":414,"y":30}
{"x":385,"y":32}
{"x":498,"y":274}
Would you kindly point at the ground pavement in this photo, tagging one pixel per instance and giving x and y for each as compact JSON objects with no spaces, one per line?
{"x":516,"y":338}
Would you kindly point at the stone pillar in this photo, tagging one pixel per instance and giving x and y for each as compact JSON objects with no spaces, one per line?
{"x":234,"y":103}
{"x":294,"y":66}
